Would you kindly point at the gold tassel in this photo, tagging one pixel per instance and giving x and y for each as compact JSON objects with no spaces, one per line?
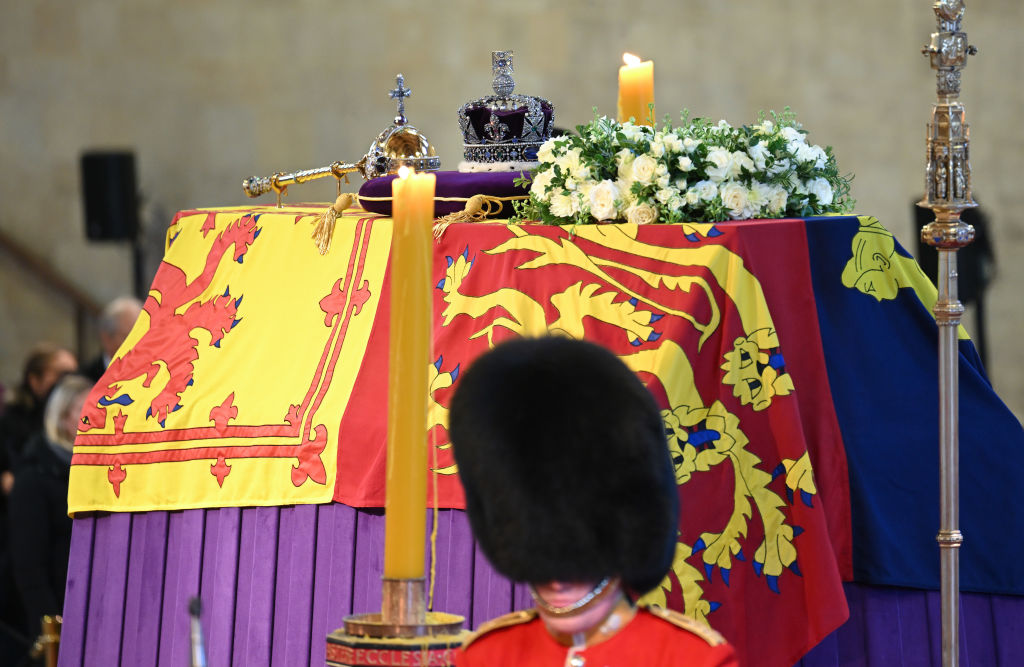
{"x":479,"y":207}
{"x":324,"y":230}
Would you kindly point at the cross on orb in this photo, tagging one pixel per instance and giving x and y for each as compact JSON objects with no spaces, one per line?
{"x":400,"y":93}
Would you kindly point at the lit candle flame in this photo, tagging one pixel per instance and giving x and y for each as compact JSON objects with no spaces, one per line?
{"x":630,"y":59}
{"x":404,"y":171}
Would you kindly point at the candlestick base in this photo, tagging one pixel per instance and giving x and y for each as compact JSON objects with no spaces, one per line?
{"x":358,"y":644}
{"x":404,"y":633}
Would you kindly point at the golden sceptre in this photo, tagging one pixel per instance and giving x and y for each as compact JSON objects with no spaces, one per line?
{"x":400,"y":144}
{"x":948,"y":193}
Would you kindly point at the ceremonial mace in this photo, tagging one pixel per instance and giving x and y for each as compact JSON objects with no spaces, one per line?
{"x":947,"y":194}
{"x":400,"y":144}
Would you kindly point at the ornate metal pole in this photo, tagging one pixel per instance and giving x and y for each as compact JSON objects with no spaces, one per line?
{"x":948,"y":193}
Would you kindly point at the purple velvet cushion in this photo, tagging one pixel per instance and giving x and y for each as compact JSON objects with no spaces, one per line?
{"x":452,"y":191}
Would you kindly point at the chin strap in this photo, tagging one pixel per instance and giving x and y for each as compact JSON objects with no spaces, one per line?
{"x":621,"y":613}
{"x":595,"y":593}
{"x":619,"y":617}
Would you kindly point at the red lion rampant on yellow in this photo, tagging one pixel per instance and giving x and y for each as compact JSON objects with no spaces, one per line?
{"x":169,"y":339}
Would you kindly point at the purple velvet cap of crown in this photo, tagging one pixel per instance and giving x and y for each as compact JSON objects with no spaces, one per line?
{"x":480,"y":116}
{"x":458,"y":185}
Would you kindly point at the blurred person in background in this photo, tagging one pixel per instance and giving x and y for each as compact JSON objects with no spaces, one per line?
{"x":45,"y":364}
{"x":116,"y":322}
{"x":37,"y":512}
{"x":23,"y":417}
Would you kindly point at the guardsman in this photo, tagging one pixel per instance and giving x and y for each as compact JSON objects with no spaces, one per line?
{"x":569,"y":488}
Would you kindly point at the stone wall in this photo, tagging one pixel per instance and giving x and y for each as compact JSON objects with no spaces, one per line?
{"x":208,"y":93}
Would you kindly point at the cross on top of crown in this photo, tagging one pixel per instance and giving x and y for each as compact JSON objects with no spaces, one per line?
{"x":400,"y":93}
{"x":501,"y":62}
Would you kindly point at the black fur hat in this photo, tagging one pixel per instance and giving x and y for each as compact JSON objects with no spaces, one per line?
{"x":563,"y":457}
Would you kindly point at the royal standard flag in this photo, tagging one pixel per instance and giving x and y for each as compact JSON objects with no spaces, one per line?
{"x":694,"y":310}
{"x":230,"y":389}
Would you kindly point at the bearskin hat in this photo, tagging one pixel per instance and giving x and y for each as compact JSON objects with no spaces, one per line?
{"x":563,"y":457}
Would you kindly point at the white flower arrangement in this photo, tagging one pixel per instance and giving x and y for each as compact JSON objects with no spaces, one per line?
{"x":696,"y":172}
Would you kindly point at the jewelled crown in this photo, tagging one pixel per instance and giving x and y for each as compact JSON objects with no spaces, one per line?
{"x":502,"y":132}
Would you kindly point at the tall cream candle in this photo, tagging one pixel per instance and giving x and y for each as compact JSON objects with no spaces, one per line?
{"x":408,"y":379}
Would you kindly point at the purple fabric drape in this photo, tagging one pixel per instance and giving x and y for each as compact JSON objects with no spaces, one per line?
{"x":274,"y":581}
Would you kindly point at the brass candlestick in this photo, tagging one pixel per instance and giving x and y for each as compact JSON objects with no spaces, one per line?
{"x":948,"y":193}
{"x":404,"y":633}
{"x":47,"y":645}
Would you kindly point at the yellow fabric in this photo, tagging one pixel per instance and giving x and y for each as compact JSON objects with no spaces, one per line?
{"x":231,"y":441}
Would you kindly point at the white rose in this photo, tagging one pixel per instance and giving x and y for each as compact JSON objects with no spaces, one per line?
{"x":706,"y":190}
{"x":722,"y":165}
{"x":819,"y":156}
{"x":820,"y":188}
{"x":575,"y":164}
{"x":740,"y":161}
{"x":564,"y":205}
{"x":546,"y":152}
{"x":643,"y":169}
{"x":792,"y":135}
{"x":765,"y":128}
{"x":684,"y":163}
{"x":663,"y":178}
{"x":779,"y":166}
{"x":626,"y":195}
{"x":602,"y":200}
{"x":541,"y":182}
{"x":673,"y":143}
{"x":641,"y":214}
{"x":735,"y":198}
{"x":777,"y":201}
{"x":690,"y":144}
{"x":759,"y":153}
{"x":805,"y":153}
{"x":624,"y":160}
{"x":666,"y":194}
{"x":657,"y":148}
{"x":692,"y":197}
{"x":680,"y":183}
{"x":632,"y":131}
{"x":797,"y":191}
{"x":567,"y":162}
{"x":759,"y":196}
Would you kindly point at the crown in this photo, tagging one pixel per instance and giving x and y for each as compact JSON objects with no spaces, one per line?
{"x":502,"y":132}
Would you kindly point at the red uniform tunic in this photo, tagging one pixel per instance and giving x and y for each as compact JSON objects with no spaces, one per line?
{"x":650,"y":640}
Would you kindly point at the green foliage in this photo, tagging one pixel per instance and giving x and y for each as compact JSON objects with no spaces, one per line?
{"x":695,"y":171}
